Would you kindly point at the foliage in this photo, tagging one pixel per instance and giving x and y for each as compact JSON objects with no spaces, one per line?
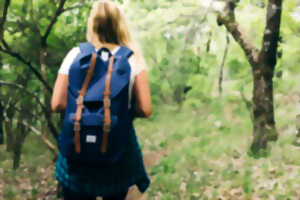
{"x":206,"y":142}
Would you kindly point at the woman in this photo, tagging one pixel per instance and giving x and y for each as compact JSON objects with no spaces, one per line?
{"x":106,"y":28}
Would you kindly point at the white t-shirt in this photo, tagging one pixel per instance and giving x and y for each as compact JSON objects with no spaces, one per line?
{"x":135,"y":69}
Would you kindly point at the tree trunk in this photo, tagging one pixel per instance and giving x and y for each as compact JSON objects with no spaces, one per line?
{"x":9,"y":136}
{"x":264,"y":128}
{"x":9,"y":129}
{"x":47,"y":111}
{"x":222,"y":65}
{"x":178,"y":95}
{"x":297,"y":139}
{"x":21,"y":134}
{"x":208,"y":42}
{"x":263,"y":63}
{"x":1,"y":110}
{"x":1,"y":124}
{"x":298,"y":125}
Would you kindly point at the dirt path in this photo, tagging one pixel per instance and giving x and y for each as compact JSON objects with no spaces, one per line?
{"x":150,"y":158}
{"x":46,"y":190}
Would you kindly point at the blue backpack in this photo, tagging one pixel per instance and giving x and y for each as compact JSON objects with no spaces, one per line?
{"x":97,"y":118}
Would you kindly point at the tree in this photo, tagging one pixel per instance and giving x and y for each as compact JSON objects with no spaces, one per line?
{"x":172,"y":45}
{"x":1,"y":113}
{"x":2,"y":21}
{"x":263,"y":64}
{"x":32,"y":46}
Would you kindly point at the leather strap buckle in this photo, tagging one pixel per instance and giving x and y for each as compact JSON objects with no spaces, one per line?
{"x":106,"y":128}
{"x":79,"y":100}
{"x":106,"y":103}
{"x":106,"y":93}
{"x":76,"y":126}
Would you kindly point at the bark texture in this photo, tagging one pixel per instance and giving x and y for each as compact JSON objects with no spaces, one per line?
{"x":222,"y":65}
{"x":20,"y":136}
{"x":9,"y":127}
{"x":263,"y":63}
{"x":3,"y":18}
{"x":1,"y":111}
{"x":1,"y":124}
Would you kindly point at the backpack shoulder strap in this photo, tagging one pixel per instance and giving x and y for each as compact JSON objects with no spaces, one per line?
{"x":79,"y":102}
{"x":86,"y":50}
{"x":124,"y":52}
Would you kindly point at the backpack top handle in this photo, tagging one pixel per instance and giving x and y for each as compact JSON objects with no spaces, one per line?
{"x":99,"y":52}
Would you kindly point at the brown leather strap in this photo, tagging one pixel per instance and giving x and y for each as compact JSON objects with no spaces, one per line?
{"x":79,"y":102}
{"x":106,"y":101}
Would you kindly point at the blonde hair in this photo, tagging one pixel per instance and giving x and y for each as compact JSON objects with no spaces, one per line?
{"x":107,"y":25}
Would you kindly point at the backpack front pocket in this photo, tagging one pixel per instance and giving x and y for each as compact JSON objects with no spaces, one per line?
{"x":91,"y":133}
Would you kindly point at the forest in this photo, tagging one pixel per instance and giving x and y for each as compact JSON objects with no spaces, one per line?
{"x":225,"y":86}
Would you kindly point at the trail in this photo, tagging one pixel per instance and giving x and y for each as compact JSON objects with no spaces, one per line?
{"x":46,"y":187}
{"x":150,"y":158}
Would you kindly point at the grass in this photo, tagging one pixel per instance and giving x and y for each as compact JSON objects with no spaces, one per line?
{"x":206,"y":150}
{"x":207,"y":155}
{"x":27,"y":181}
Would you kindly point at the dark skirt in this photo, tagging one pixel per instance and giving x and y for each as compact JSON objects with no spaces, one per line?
{"x":106,"y":181}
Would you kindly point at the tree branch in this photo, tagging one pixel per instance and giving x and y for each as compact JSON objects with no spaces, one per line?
{"x":33,"y":116}
{"x":48,"y":117}
{"x":43,"y":54}
{"x":232,"y":26}
{"x":32,"y":128}
{"x":59,"y":10}
{"x":48,"y":143}
{"x":248,"y":103}
{"x":18,"y":86}
{"x":8,"y":51}
{"x":208,"y":42}
{"x":223,"y":63}
{"x":74,"y":7}
{"x":3,"y":18}
{"x":271,"y":35}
